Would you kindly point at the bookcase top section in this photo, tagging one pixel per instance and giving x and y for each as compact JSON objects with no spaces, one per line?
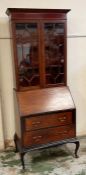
{"x":30,"y":10}
{"x":25,"y":14}
{"x":44,"y":100}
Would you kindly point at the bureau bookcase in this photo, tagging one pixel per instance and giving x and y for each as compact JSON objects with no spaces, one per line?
{"x":45,"y":111}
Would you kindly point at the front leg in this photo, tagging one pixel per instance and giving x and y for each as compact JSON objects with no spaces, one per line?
{"x":22,"y":159}
{"x":15,"y":141}
{"x":77,"y":147}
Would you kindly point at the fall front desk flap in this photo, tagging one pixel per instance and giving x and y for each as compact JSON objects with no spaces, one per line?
{"x":44,"y":100}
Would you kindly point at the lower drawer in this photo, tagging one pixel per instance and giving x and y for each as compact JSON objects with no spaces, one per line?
{"x":48,"y":135}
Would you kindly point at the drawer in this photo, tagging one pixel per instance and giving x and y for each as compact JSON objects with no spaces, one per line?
{"x":48,"y":135}
{"x":48,"y":120}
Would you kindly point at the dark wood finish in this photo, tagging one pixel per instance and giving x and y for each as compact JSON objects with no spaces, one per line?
{"x":45,"y":111}
{"x":44,"y":100}
{"x":39,"y":41}
{"x":48,"y":135}
{"x":48,"y":120}
{"x":24,"y":14}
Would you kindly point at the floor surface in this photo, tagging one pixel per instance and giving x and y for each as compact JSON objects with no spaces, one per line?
{"x":53,"y":161}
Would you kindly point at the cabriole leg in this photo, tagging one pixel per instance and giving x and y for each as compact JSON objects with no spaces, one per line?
{"x":22,"y":160}
{"x":77,"y":147}
{"x":15,"y":141}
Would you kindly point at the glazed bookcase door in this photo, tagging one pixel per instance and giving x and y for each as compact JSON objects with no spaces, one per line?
{"x":54,"y":53}
{"x":27,"y":50}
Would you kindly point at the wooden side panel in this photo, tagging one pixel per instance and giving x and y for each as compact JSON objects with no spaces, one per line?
{"x":17,"y":117}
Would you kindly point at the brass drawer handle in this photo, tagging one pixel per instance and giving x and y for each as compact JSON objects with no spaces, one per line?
{"x":35,"y":123}
{"x":37,"y":137}
{"x":64,"y":132}
{"x":62,"y":119}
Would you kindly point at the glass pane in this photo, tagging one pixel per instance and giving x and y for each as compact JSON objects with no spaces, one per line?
{"x":27,"y":53}
{"x":54,"y":52}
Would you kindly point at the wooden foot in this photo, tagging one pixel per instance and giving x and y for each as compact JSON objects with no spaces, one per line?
{"x":77,"y":146}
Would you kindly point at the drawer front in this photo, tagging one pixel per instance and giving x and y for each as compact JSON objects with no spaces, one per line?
{"x":48,"y":120}
{"x":48,"y":135}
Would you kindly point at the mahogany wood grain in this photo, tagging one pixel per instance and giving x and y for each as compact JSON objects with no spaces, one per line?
{"x":48,"y":135}
{"x":44,"y":100}
{"x":49,"y":120}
